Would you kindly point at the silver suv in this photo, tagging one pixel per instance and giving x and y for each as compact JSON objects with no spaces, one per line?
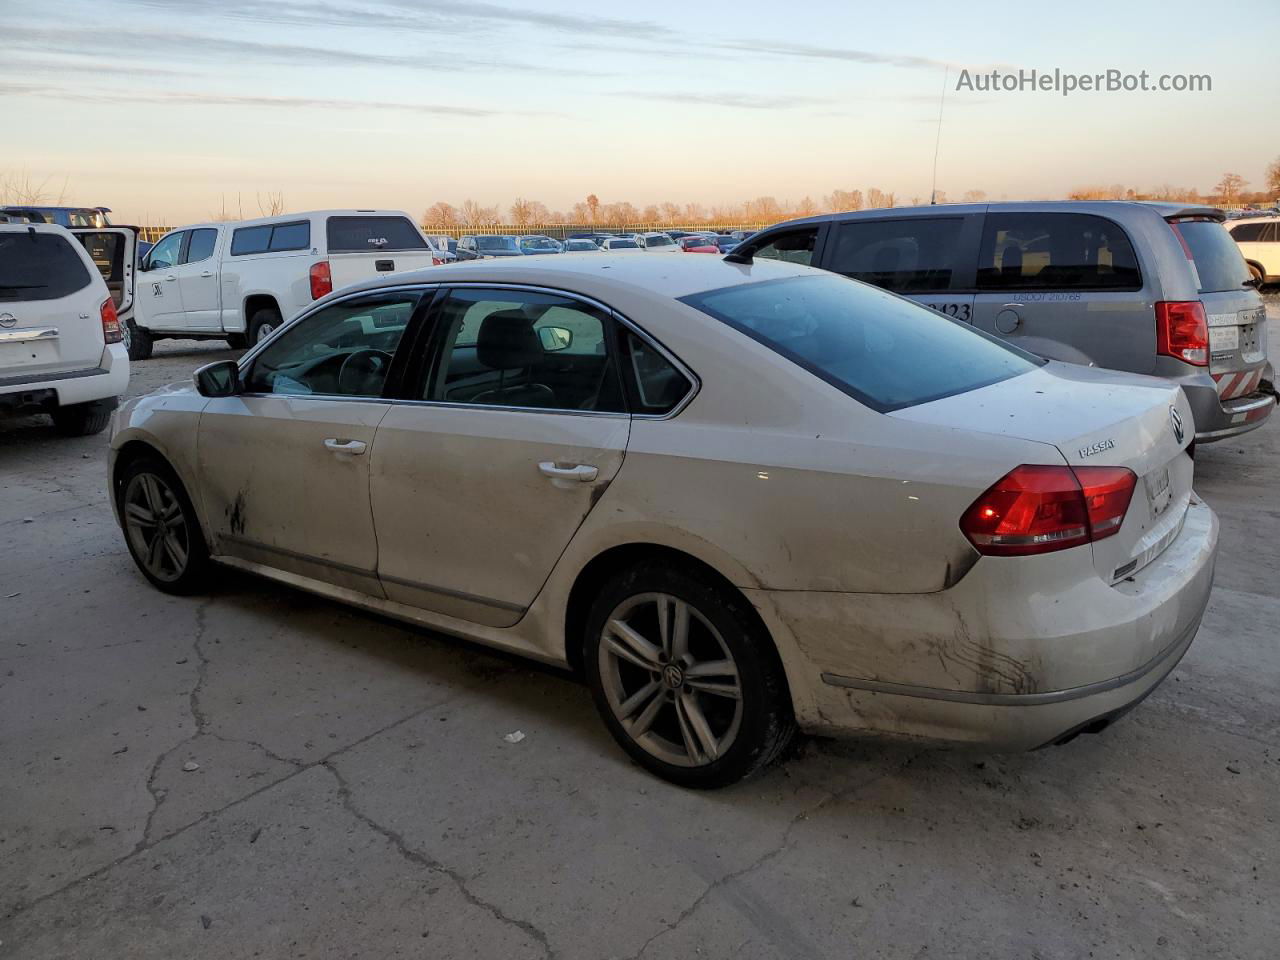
{"x":1151,"y":288}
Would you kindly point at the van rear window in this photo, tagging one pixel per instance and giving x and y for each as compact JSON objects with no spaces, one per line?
{"x":1218,"y":260}
{"x":884,"y":351}
{"x":373,"y":235}
{"x":39,"y":266}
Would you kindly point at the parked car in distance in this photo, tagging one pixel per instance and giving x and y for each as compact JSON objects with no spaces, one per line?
{"x":485,"y":245}
{"x":238,"y":281}
{"x":581,"y":245}
{"x":697,"y":243}
{"x":559,"y":470}
{"x":61,"y":350}
{"x":658,"y":243}
{"x":624,"y":244}
{"x":725,"y":243}
{"x":1151,"y":288}
{"x":537,"y":245}
{"x":62,"y":216}
{"x":1259,"y":241}
{"x":596,"y":238}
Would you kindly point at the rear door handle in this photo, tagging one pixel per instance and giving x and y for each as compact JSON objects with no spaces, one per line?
{"x":352,"y":447}
{"x":583,"y":472}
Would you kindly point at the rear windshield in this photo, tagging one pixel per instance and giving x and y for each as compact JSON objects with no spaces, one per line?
{"x":373,"y":235}
{"x":883,"y":351}
{"x":658,"y":241}
{"x":1218,"y":260}
{"x":496,"y":243}
{"x":39,"y":266}
{"x":623,"y":245}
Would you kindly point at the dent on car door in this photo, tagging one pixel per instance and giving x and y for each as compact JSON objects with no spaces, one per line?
{"x":482,"y":477}
{"x":284,"y":464}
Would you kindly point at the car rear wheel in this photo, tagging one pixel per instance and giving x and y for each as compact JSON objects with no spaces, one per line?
{"x":685,"y":678}
{"x":161,"y":528}
{"x":83,"y":419}
{"x":262,"y":324}
{"x":138,"y":343}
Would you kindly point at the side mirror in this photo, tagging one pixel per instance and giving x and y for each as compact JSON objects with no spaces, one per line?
{"x":221,"y":379}
{"x":555,"y":338}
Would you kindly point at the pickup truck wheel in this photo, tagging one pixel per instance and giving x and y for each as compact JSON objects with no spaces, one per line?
{"x":83,"y":419}
{"x":137,"y":342}
{"x":237,"y":341}
{"x":263,"y":323}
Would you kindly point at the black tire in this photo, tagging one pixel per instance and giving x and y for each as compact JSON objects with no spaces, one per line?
{"x":83,"y":419}
{"x":262,"y":323}
{"x":765,"y":725}
{"x":194,"y":575}
{"x":237,"y":341}
{"x":138,"y":342}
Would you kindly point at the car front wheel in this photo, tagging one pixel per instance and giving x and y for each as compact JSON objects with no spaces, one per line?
{"x":685,"y":678}
{"x":161,"y":528}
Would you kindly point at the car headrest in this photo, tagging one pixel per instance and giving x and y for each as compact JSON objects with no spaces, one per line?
{"x":507,"y":341}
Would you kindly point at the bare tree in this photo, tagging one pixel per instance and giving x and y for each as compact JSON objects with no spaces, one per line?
{"x":17,"y":187}
{"x":670,"y":212}
{"x":650,"y":213}
{"x":974,"y":196}
{"x":593,"y":204}
{"x":939,"y":196}
{"x":877,"y":198}
{"x":223,"y":215}
{"x":1230,"y":187}
{"x":763,"y":209}
{"x":521,"y":212}
{"x":805,"y":207}
{"x":473,"y":214}
{"x":843,"y":201}
{"x":1273,"y":178}
{"x":272,"y":204}
{"x":694,"y":213}
{"x":1114,"y":191}
{"x":440,"y":215}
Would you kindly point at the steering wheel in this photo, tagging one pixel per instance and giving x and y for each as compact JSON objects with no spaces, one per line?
{"x":359,"y":368}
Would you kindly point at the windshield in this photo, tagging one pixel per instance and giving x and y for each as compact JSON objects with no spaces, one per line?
{"x":623,"y":245}
{"x":884,"y":351}
{"x":1218,"y":260}
{"x":539,"y":245}
{"x":659,"y":241}
{"x":496,"y":243}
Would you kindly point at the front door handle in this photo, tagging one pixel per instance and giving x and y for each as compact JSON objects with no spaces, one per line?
{"x":207,"y":273}
{"x":352,"y":447}
{"x":171,"y":277}
{"x":583,"y":472}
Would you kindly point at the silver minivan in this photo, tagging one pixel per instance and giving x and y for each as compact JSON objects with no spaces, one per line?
{"x":1152,"y":288}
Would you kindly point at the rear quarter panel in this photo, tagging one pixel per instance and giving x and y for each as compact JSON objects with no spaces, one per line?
{"x":282,"y":276}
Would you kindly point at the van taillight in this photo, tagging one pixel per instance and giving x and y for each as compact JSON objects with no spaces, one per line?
{"x":1182,"y":332}
{"x":1041,"y":508}
{"x":110,"y":321}
{"x":321,"y":280}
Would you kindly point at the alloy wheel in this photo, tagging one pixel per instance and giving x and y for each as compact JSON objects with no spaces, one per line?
{"x":670,"y":679}
{"x":157,"y":526}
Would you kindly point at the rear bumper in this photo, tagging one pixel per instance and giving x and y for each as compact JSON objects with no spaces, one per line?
{"x":992,"y":662}
{"x":107,"y":381}
{"x":1217,"y":419}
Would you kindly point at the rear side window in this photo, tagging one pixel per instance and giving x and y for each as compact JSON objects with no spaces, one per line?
{"x":39,"y":266}
{"x":1248,"y":232}
{"x":200,"y":246}
{"x":271,"y":238}
{"x":656,"y":385}
{"x":794,"y":247}
{"x":911,"y":255}
{"x":883,"y":351}
{"x":1055,"y":251}
{"x":373,"y":235}
{"x":1219,"y":262}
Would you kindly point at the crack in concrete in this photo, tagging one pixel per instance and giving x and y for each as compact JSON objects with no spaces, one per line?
{"x":423,"y":860}
{"x":772,"y":854}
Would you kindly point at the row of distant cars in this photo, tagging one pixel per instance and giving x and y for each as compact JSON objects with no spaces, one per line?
{"x":486,"y":245}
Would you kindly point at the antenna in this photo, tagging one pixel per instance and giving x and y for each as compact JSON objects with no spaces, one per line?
{"x":937,"y":143}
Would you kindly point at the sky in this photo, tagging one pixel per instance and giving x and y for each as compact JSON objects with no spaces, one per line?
{"x":166,"y":111}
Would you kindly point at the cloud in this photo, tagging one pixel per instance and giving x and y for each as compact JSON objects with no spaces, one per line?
{"x":746,"y":101}
{"x":808,"y":51}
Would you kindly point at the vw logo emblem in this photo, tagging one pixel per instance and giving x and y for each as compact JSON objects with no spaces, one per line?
{"x":1175,"y":419}
{"x":8,"y":320}
{"x":672,"y":676}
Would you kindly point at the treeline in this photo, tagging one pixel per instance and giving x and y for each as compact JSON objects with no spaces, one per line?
{"x":1232,"y":190}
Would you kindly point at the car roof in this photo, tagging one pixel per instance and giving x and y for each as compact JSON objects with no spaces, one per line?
{"x":292,"y":218}
{"x":669,"y":277}
{"x":1269,"y":218}
{"x":37,"y":227}
{"x":1101,"y":207}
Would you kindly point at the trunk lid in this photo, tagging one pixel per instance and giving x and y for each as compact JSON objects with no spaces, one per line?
{"x":1233,"y":309}
{"x":1094,"y":417}
{"x":361,"y":246}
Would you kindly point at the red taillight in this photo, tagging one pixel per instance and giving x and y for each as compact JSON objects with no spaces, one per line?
{"x":321,"y":280}
{"x":436,"y":262}
{"x":1037,"y":509}
{"x":1182,"y":331}
{"x":110,"y":321}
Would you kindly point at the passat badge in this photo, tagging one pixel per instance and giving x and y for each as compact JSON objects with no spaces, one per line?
{"x":1098,"y":447}
{"x":1175,"y":419}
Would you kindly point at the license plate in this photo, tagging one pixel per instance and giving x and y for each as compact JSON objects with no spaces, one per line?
{"x":1224,"y":338}
{"x":1158,"y":490}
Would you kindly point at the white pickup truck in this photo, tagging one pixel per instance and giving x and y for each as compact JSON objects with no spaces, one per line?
{"x":239,"y":281}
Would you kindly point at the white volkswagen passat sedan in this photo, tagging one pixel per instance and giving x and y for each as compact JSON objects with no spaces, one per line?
{"x":743,"y":498}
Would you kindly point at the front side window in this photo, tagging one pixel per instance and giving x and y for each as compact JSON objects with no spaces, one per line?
{"x":165,"y":253}
{"x":343,"y":350}
{"x":201,"y":245}
{"x":793,"y":247}
{"x":883,"y":351}
{"x":1055,"y":251}
{"x":39,"y":266}
{"x":521,"y":349}
{"x":916,"y":254}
